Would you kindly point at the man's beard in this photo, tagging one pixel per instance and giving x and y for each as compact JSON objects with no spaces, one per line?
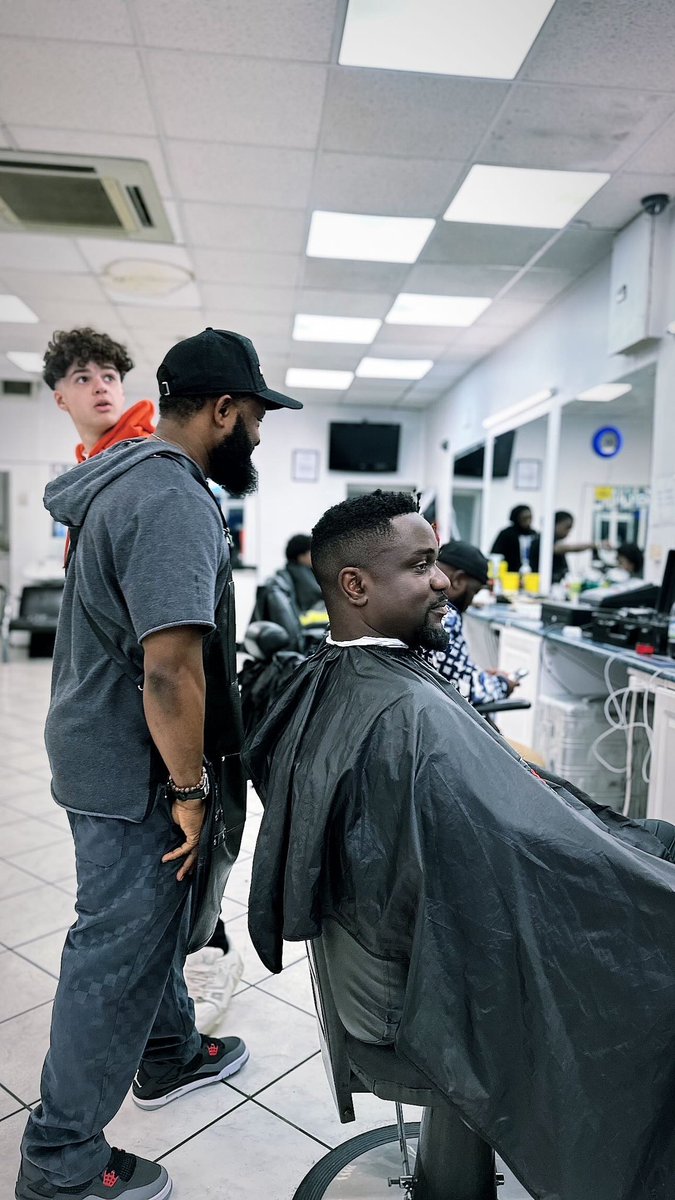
{"x":230,"y":463}
{"x":430,"y":635}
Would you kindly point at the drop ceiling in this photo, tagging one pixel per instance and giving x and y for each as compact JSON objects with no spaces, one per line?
{"x":249,"y":124}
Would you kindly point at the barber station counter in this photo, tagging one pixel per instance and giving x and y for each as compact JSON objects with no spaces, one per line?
{"x":569,"y":682}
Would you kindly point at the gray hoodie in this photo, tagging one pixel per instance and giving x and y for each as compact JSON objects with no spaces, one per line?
{"x":151,"y":554}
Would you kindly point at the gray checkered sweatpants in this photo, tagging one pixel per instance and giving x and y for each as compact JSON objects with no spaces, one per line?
{"x":121,"y":995}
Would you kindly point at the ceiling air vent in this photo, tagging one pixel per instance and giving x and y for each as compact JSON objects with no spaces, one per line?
{"x":81,"y":197}
{"x":16,"y":387}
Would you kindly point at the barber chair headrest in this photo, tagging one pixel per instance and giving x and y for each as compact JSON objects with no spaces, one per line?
{"x":264,"y":639}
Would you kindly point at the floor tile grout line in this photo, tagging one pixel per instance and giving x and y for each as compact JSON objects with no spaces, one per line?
{"x":235,"y":1108}
{"x":33,"y":1008}
{"x":253,"y":1095}
{"x":292,"y":1124}
{"x":283,"y":998}
{"x":31,"y":963}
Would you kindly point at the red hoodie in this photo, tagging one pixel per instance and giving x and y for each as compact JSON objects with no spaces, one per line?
{"x":136,"y":422}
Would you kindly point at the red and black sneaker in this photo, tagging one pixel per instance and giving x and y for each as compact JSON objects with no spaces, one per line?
{"x":218,"y":1059}
{"x":125,"y":1177}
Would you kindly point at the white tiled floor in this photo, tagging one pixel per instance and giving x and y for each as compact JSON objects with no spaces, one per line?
{"x":255,"y":1138}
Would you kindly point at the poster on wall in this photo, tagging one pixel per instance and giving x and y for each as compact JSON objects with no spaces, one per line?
{"x":527,"y":474}
{"x":305,"y":466}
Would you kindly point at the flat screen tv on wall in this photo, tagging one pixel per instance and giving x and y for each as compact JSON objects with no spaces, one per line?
{"x":363,"y":447}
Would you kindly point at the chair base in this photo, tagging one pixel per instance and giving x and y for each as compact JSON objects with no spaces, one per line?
{"x":361,"y":1167}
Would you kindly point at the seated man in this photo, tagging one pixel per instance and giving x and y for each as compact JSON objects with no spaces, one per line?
{"x":466,"y":571}
{"x":291,"y":592}
{"x":527,"y":940}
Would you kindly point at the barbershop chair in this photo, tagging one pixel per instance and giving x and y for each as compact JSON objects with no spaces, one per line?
{"x":39,"y":615}
{"x":451,"y":1161}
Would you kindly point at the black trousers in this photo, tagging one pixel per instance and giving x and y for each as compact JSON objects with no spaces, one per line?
{"x":121,"y":995}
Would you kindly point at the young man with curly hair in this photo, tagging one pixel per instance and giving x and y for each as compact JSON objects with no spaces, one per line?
{"x":86,"y":371}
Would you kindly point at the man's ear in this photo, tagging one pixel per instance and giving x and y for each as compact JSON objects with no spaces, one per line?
{"x":224,"y":412}
{"x":60,"y":402}
{"x":352,"y":585}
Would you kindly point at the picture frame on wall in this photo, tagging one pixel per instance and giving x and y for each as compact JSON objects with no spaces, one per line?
{"x":305,"y":466}
{"x":527,"y":474}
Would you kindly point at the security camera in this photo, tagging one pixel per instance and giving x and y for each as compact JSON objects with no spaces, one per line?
{"x":654,"y":205}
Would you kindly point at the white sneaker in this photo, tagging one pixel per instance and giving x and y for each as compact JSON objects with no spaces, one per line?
{"x":211,"y":976}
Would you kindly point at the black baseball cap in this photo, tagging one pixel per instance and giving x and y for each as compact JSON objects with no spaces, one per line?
{"x":466,"y":558}
{"x":214,"y":362}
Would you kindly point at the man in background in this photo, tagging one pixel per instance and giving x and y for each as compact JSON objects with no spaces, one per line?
{"x":466,"y":571}
{"x":288,"y":597}
{"x":86,"y":371}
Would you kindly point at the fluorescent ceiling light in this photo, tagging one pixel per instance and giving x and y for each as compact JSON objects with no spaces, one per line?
{"x":308,"y":377}
{"x":33,"y":363}
{"x":13,"y":309}
{"x":521,"y":196}
{"x":488,"y":38}
{"x":413,"y":308}
{"x":359,"y":330}
{"x":368,"y":238}
{"x":605,"y":391}
{"x":394,"y":368}
{"x":522,"y":406}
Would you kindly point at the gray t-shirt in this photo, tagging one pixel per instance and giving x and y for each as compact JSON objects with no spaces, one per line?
{"x":152,"y":555}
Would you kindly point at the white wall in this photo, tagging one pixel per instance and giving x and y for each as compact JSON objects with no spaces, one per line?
{"x":567,"y":349}
{"x":285,"y":506}
{"x":34,"y":436}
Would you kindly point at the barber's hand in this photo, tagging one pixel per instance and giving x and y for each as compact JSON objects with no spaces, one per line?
{"x":189,"y":816}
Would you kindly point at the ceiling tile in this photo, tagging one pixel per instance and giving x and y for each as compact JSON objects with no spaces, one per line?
{"x":606,"y":41}
{"x":240,"y":297}
{"x":245,"y":227}
{"x":573,"y":128}
{"x":344,"y":304}
{"x":77,"y":20}
{"x":375,"y":391}
{"x":36,"y":90}
{"x":658,"y":156}
{"x":344,"y":275}
{"x":366,"y":183}
{"x":111,"y":145}
{"x":262,"y":28}
{"x":268,"y":328}
{"x":99,"y":252}
{"x":619,"y":201}
{"x":540,"y":285}
{"x":577,"y":250}
{"x":441,"y":279}
{"x":249,"y":101}
{"x":241,"y":174}
{"x":337,"y":356}
{"x":35,"y":286}
{"x":260,"y":270}
{"x":412,"y":341}
{"x":483,"y":338}
{"x":400,"y":113}
{"x":511,"y":313}
{"x":152,"y":317}
{"x":483,"y":245}
{"x":32,"y":251}
{"x":71,"y":313}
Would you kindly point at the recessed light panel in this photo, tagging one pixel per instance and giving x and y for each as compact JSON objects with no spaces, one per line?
{"x":394,"y":368}
{"x":307,"y":377}
{"x":413,"y":308}
{"x":33,"y":363}
{"x":521,"y":196}
{"x":367,"y":238}
{"x":13,"y":309}
{"x":487,"y":38}
{"x":605,"y":392}
{"x":357,"y":330}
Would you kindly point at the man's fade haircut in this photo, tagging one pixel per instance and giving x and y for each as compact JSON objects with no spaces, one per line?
{"x":348,"y":533}
{"x":80,"y":346}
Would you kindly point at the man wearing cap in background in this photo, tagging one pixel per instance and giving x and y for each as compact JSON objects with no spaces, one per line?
{"x":466,"y":570}
{"x":145,"y":596}
{"x":85,"y":370}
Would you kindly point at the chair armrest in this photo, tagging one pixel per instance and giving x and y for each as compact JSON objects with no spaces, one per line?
{"x":506,"y":705}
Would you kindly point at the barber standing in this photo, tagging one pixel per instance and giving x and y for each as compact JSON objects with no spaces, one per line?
{"x":145,"y":595}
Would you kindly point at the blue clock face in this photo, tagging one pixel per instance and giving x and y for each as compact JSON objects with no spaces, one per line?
{"x":607,"y":442}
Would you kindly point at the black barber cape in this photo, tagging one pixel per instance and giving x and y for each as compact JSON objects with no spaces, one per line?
{"x":541,"y":990}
